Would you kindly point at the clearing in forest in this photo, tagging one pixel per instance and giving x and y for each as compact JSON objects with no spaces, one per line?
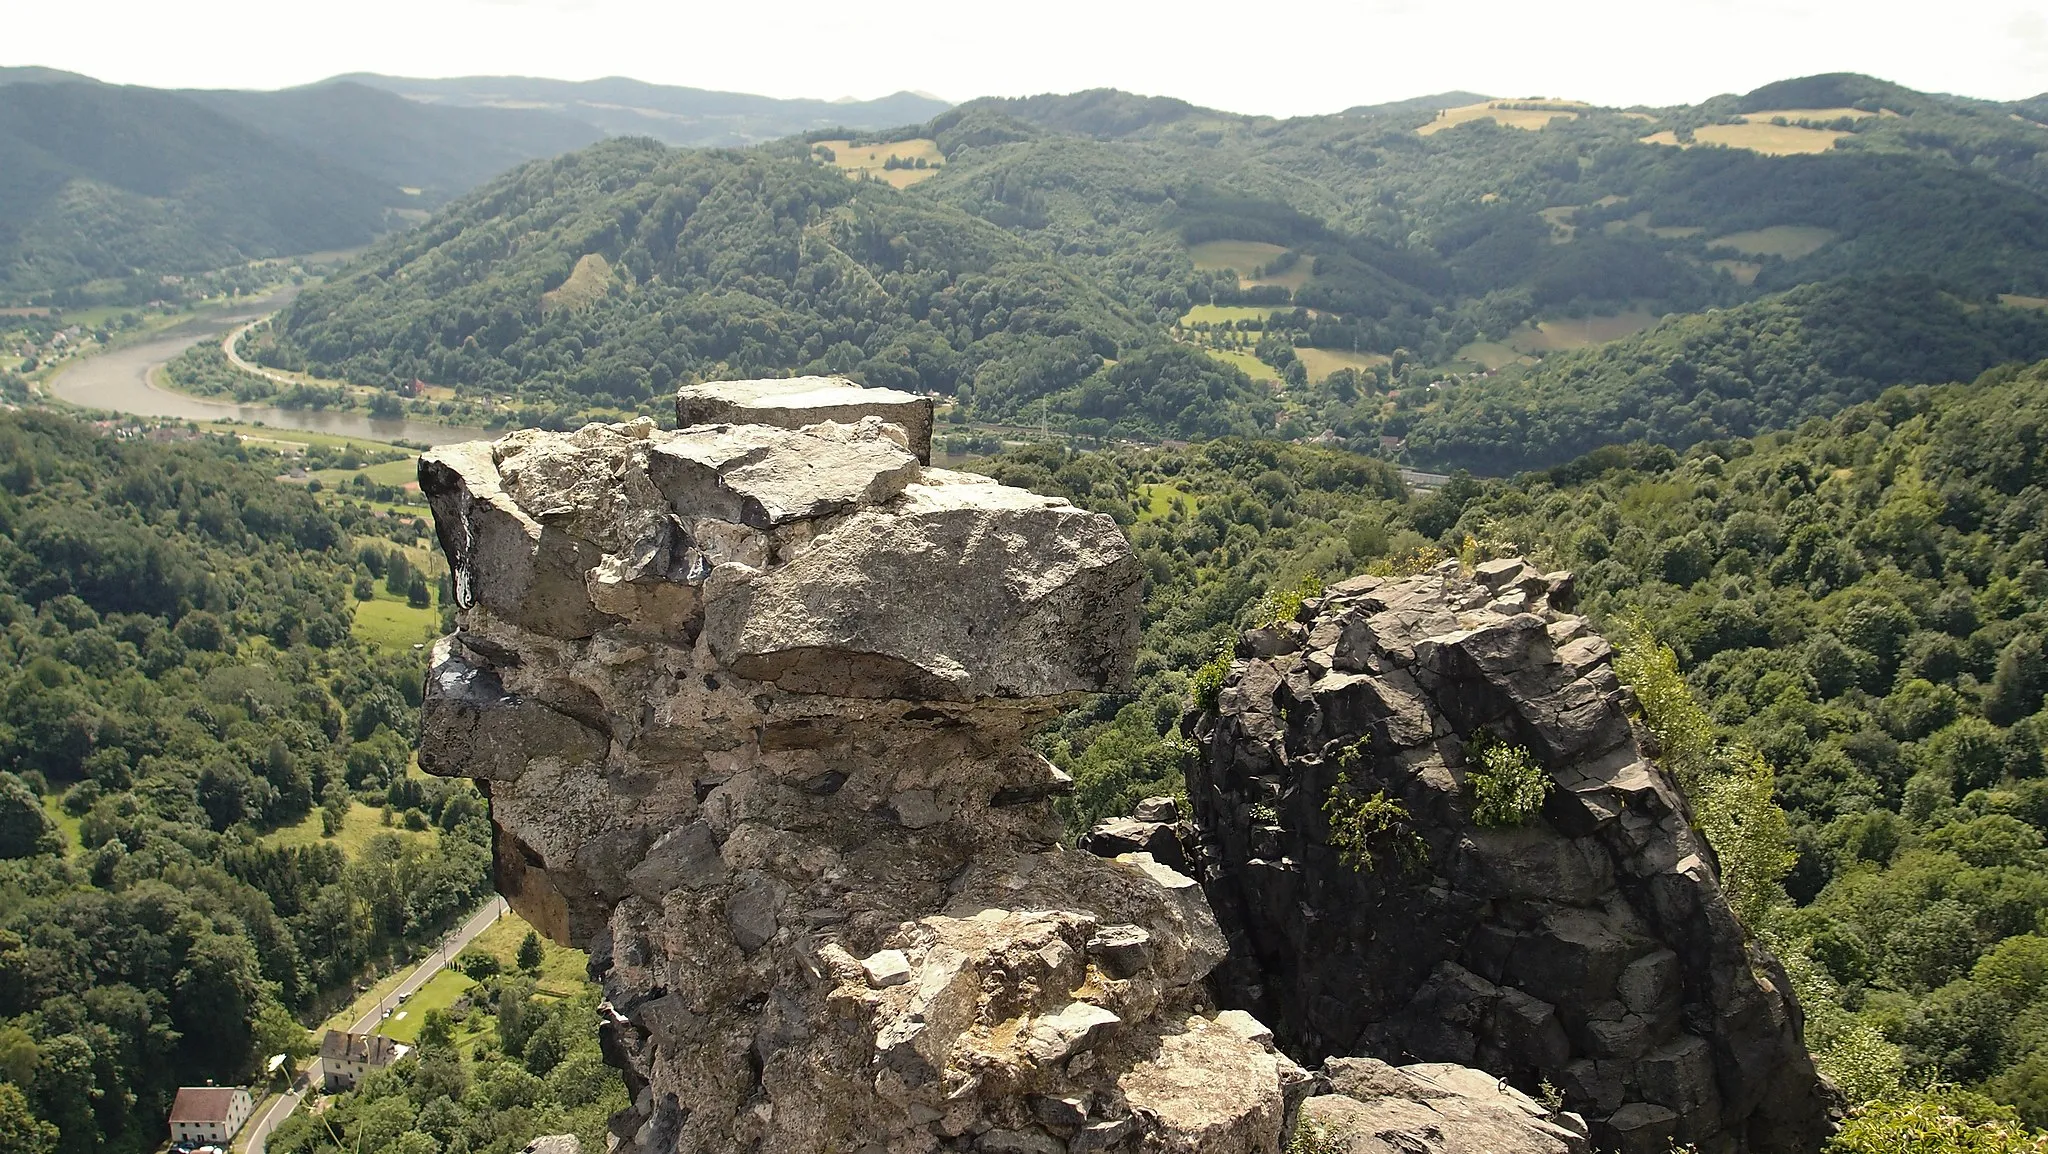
{"x":1742,"y":271}
{"x":872,"y":160}
{"x":1320,"y":363}
{"x":1790,"y":241}
{"x":1757,"y":133}
{"x":1530,"y":115}
{"x":1225,"y":314}
{"x":1246,"y":257}
{"x":1253,"y":367}
{"x":588,"y":283}
{"x":2017,"y":301}
{"x":1556,"y":335}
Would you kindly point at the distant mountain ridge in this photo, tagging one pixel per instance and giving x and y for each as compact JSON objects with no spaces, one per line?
{"x":692,"y":117}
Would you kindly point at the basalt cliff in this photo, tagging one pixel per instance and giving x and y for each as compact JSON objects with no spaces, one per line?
{"x":749,"y":701}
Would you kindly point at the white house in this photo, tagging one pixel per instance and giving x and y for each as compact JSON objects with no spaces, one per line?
{"x":209,"y":1114}
{"x":345,"y":1057}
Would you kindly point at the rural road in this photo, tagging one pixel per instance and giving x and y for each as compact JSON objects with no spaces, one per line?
{"x":260,"y":1128}
{"x":234,"y":338}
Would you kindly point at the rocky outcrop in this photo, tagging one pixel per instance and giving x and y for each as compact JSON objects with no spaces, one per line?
{"x":749,"y":705}
{"x":1589,"y":948}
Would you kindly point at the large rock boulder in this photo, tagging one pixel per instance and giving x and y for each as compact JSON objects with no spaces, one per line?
{"x":749,"y":704}
{"x":1590,"y":948}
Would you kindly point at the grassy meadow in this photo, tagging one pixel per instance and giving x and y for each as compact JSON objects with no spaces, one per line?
{"x":1528,"y":119}
{"x":1790,"y":241}
{"x":857,"y":160}
{"x":1244,"y":256}
{"x":1320,"y":363}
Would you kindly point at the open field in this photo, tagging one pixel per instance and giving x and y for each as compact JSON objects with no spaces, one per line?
{"x":1530,"y":119}
{"x":1795,"y":115}
{"x":1253,"y":367}
{"x":1766,"y":138}
{"x":391,"y":624}
{"x":439,"y":993}
{"x":362,"y":823}
{"x":399,"y":473}
{"x":1245,"y":255}
{"x":1790,"y":241}
{"x":1491,"y":355}
{"x":1558,"y":217}
{"x":1641,"y":221}
{"x":2017,"y":301}
{"x":1577,"y":332}
{"x":1158,"y":502}
{"x":562,"y":970}
{"x":1225,"y":314}
{"x":67,"y":826}
{"x":1320,"y":363}
{"x":857,"y":159}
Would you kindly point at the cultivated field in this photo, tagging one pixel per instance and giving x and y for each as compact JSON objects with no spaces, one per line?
{"x":1242,"y":256}
{"x":857,"y":160}
{"x":1531,"y":119}
{"x":1320,"y":363}
{"x":1790,"y":241}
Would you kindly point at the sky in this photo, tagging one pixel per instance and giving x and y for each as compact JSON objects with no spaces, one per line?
{"x":1298,"y":58}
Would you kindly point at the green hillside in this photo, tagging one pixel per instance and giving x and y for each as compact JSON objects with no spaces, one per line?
{"x":98,"y":181}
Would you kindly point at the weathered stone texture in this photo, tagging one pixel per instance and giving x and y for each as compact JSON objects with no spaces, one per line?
{"x":1590,"y":948}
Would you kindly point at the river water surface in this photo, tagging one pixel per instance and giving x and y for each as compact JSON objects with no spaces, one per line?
{"x":119,"y":380}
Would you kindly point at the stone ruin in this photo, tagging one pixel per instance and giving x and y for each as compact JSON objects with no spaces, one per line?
{"x":749,"y":701}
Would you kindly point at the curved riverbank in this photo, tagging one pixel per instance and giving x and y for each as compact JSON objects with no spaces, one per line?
{"x":119,"y":380}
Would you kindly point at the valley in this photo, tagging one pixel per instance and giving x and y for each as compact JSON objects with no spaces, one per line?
{"x":1757,"y":386}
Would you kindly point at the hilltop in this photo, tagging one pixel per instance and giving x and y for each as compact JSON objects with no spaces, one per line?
{"x":1371,"y":275}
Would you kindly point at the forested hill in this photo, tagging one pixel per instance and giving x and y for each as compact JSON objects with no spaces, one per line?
{"x":1380,"y":275}
{"x":183,"y":712}
{"x":1861,"y":602}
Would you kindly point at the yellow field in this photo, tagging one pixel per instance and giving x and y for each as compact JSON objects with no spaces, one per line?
{"x":587,"y":284}
{"x":1766,"y":138}
{"x":1225,"y":314}
{"x":1242,"y":256}
{"x":856,"y":160}
{"x":1790,"y":241}
{"x":1320,"y":363}
{"x":2019,"y":302}
{"x":1253,"y":367}
{"x":1795,"y":115}
{"x":1528,"y":119}
{"x":1743,"y":271}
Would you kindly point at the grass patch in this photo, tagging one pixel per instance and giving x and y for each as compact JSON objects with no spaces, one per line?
{"x":1577,"y":332}
{"x":362,"y":823}
{"x":440,"y":992}
{"x":1320,"y":363}
{"x":1253,"y":367}
{"x":391,"y":624}
{"x":1795,"y":115}
{"x":1530,"y":119}
{"x":2015,"y":300}
{"x":563,"y":971}
{"x":1743,"y":272}
{"x":588,"y":283}
{"x":1641,"y":222}
{"x":397,"y":473}
{"x":1245,"y":256}
{"x":1225,"y":314}
{"x":858,"y":160}
{"x":1159,"y":499}
{"x":67,"y":826}
{"x":1490,"y":355}
{"x":1790,"y":241}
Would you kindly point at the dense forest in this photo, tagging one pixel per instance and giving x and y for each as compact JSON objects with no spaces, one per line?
{"x":1057,"y":267}
{"x":1863,"y":602}
{"x":180,"y":697}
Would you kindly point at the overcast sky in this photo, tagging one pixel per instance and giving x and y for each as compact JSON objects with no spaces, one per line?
{"x":1275,"y":58}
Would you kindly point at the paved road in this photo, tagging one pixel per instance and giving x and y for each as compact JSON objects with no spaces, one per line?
{"x":259,"y":1130}
{"x":228,"y":346}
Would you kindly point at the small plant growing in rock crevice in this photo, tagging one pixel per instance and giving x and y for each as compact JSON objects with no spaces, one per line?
{"x":1205,"y":686}
{"x":1365,"y":830}
{"x":1508,"y":785}
{"x":1310,"y":1138}
{"x":1279,"y":606}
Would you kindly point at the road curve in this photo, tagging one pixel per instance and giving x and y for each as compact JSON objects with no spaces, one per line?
{"x":260,"y":1128}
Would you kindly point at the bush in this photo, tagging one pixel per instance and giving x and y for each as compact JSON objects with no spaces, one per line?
{"x":1206,"y":686}
{"x":1365,"y":830}
{"x":1927,"y":1125}
{"x":476,"y":965}
{"x":1508,"y":786}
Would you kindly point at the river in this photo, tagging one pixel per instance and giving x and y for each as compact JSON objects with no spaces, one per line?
{"x":119,"y":380}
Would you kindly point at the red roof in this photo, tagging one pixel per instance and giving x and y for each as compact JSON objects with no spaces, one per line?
{"x":203,"y":1103}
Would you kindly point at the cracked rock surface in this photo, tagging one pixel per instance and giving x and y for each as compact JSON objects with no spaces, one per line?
{"x":1590,"y":947}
